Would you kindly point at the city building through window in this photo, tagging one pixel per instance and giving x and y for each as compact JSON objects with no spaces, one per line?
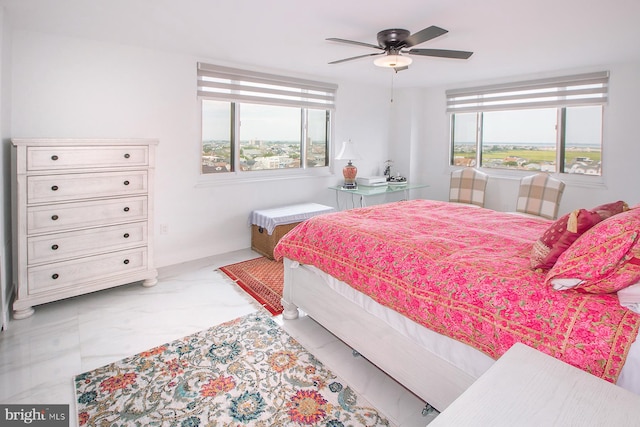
{"x":255,"y":121}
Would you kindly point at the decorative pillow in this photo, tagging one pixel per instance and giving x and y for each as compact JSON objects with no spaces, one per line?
{"x":604,"y":259}
{"x":610,"y":209}
{"x":562,"y":233}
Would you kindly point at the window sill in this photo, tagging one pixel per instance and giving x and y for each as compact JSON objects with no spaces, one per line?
{"x":232,"y":178}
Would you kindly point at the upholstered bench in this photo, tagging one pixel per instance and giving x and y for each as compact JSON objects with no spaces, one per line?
{"x":268,"y":226}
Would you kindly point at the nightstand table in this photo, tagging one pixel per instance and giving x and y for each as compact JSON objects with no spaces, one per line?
{"x":528,"y":388}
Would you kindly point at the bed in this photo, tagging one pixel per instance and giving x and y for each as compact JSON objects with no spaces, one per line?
{"x":434,"y":292}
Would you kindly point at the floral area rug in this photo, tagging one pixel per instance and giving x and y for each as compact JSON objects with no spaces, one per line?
{"x":262,"y":278}
{"x":246,"y":372}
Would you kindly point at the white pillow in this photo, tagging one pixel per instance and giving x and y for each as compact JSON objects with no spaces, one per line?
{"x":561,"y":284}
{"x":629,"y":297}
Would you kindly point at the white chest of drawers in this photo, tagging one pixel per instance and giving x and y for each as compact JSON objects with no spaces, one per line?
{"x":82,"y":213}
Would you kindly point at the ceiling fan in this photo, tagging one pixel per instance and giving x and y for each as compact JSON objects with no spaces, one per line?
{"x":393,"y":42}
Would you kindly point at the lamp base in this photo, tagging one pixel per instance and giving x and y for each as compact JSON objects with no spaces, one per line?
{"x":349,"y":173}
{"x":349,"y":186}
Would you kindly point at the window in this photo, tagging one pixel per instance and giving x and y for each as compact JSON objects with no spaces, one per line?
{"x":552,"y":125}
{"x":260,"y":122}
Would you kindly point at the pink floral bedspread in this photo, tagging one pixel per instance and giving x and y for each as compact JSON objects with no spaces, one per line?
{"x":464,"y":272}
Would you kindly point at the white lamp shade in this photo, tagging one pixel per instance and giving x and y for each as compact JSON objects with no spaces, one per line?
{"x":348,"y":151}
{"x":393,"y":61}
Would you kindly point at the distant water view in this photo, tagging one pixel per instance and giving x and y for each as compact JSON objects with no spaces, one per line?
{"x":535,"y":145}
{"x":579,"y":158}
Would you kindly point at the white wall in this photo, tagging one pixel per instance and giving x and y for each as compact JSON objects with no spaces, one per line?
{"x":5,"y":177}
{"x":68,"y":87}
{"x":429,"y":152}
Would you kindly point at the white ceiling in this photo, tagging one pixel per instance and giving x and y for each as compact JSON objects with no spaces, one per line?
{"x":509,"y":37}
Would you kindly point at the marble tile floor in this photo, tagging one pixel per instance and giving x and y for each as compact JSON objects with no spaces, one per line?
{"x":40,"y":355}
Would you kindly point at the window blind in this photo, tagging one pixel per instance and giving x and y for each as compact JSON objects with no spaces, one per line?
{"x":581,"y":89}
{"x":235,"y":85}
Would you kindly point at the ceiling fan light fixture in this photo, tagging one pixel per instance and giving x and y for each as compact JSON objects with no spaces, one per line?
{"x":393,"y":61}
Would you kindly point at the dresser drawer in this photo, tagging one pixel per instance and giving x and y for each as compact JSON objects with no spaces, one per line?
{"x":51,"y":277}
{"x":86,"y":157}
{"x":82,"y":214}
{"x":68,"y":216}
{"x":62,"y":246}
{"x":56,"y":188}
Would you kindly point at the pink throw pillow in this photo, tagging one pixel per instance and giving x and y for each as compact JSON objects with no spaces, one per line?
{"x":610,"y":209}
{"x":604,"y":259}
{"x":562,"y":233}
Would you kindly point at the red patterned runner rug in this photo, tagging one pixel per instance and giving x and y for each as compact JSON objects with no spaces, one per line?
{"x":262,"y":278}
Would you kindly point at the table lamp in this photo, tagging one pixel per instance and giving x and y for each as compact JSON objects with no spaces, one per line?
{"x":348,"y":152}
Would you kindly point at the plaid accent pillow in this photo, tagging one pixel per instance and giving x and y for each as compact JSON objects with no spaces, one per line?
{"x":468,"y":186}
{"x":540,"y":195}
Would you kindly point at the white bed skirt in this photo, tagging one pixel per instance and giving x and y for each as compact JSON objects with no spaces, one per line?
{"x":436,"y":368}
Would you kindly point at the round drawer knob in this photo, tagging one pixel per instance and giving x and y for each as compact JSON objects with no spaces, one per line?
{"x":54,"y":247}
{"x":54,"y":276}
{"x":54,"y":188}
{"x":126,"y":183}
{"x":54,"y":217}
{"x":126,"y":261}
{"x":54,"y":157}
{"x":127,"y":155}
{"x":126,"y":235}
{"x":126,"y":209}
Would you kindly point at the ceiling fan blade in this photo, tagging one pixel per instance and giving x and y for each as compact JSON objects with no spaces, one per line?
{"x":333,"y":39}
{"x":441,"y":53}
{"x":424,"y":35}
{"x":355,"y":57}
